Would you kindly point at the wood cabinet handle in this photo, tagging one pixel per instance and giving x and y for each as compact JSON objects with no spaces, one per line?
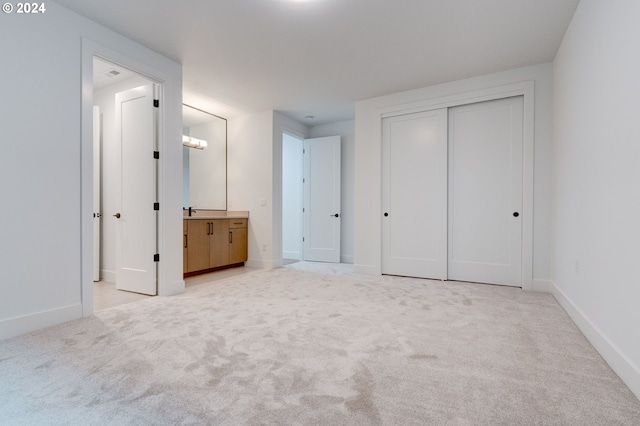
{"x":230,"y":237}
{"x":186,"y":241}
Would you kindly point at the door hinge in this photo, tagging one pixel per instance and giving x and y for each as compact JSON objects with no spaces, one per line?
{"x":156,"y":155}
{"x":303,"y":210}
{"x":304,"y":151}
{"x":303,"y":180}
{"x":156,"y":103}
{"x":156,"y":206}
{"x":302,"y":239}
{"x":156,"y":257}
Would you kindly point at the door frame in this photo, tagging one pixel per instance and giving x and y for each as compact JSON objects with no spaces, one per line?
{"x":167,"y":75}
{"x":300,"y":190}
{"x":525,"y":89}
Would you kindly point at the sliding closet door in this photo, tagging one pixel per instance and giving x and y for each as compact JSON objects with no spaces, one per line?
{"x":485,"y":192}
{"x":414,"y":195}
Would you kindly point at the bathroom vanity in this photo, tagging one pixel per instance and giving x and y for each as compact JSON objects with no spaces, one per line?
{"x":214,"y":240}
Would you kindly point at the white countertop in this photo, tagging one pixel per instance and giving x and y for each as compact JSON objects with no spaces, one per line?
{"x":216,"y":214}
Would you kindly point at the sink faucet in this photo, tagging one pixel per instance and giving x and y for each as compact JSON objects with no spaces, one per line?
{"x":191,"y":210}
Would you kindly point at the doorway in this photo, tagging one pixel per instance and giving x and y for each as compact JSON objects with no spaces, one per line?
{"x":123,"y":99}
{"x":311,"y":214}
{"x":292,"y":198}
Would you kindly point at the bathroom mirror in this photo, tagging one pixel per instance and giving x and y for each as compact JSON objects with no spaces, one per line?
{"x":204,"y":168}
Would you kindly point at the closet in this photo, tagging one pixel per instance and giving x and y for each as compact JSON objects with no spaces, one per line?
{"x":452,"y":193}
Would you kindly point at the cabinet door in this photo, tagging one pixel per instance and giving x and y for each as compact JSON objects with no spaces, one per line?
{"x":237,"y":245}
{"x":185,"y":247}
{"x":219,"y":243}
{"x":198,"y":236}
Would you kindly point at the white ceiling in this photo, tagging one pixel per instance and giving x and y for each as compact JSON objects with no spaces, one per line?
{"x":105,"y":74}
{"x":317,"y":57}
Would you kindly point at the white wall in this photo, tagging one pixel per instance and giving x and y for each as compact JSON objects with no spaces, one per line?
{"x":45,"y":276}
{"x":596,"y":179}
{"x":347,"y":131}
{"x":367,"y":206}
{"x":249,"y":180}
{"x":110,"y":166}
{"x":281,"y":125}
{"x":254,"y":181}
{"x":292,"y":168}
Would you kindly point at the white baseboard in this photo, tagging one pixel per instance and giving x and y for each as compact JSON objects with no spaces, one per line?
{"x":291,"y":255}
{"x":365,"y":269}
{"x":176,"y":287}
{"x":623,"y":366}
{"x":347,"y":259}
{"x":542,"y":286}
{"x":108,"y":276}
{"x":262,"y":264}
{"x":25,"y":324}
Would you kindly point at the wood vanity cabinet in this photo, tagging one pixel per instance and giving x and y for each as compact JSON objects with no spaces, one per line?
{"x":214,"y":243}
{"x":237,"y":240}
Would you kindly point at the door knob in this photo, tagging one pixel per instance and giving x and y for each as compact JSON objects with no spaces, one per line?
{"x":335,"y":215}
{"x":516,"y":214}
{"x":117,"y":215}
{"x":386,"y":214}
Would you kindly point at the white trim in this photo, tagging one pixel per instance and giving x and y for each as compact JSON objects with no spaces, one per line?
{"x":623,"y":366}
{"x":346,"y":259}
{"x":109,"y":276}
{"x":281,"y":125}
{"x":542,"y":286}
{"x":526,"y":89}
{"x":366,"y":269}
{"x":291,"y":255}
{"x":263,"y":264}
{"x":168,"y":74}
{"x":28,"y":323}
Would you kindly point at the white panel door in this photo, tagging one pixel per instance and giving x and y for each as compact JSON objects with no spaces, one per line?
{"x":414,"y":195}
{"x":136,"y":230}
{"x":97,"y":214}
{"x":485,"y":192}
{"x":322,"y":199}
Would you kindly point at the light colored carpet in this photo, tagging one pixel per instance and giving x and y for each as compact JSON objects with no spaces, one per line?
{"x":312,"y":344}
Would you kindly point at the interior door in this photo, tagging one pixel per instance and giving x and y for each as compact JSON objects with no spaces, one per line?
{"x":322,"y":199}
{"x":136,"y":231}
{"x":414,"y":195}
{"x":97,"y":214}
{"x":485,"y":192}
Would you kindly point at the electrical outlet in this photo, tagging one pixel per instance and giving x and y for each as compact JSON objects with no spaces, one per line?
{"x":264,"y":247}
{"x":577,"y":266}
{"x":263,"y":202}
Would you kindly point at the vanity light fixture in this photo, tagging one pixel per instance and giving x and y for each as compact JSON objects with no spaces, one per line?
{"x":193,"y":142}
